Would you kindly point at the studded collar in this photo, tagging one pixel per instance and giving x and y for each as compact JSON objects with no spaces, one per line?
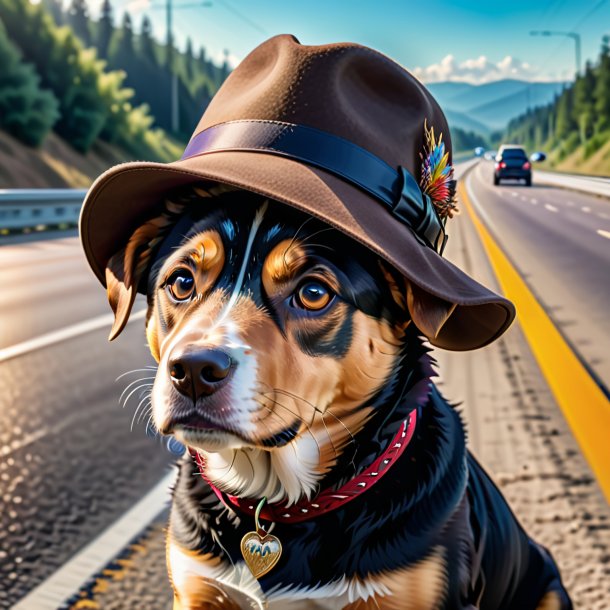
{"x":328,"y":499}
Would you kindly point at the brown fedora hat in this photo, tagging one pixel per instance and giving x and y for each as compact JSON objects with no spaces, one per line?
{"x":338,"y":131}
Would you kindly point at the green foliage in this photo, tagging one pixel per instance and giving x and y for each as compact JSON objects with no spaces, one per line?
{"x":466,"y":140}
{"x":83,"y":109}
{"x":120,"y":98}
{"x":92,"y":101}
{"x":65,"y":68}
{"x":26,"y":111}
{"x":584,"y":104}
{"x":595,"y":143}
{"x":578,"y":117}
{"x":602,"y":90}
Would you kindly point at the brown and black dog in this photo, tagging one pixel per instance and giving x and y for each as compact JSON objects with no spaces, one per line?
{"x":288,"y":357}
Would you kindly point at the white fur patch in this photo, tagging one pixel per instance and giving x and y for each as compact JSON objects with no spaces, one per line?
{"x":287,"y":473}
{"x":237,"y":576}
{"x":334,"y":595}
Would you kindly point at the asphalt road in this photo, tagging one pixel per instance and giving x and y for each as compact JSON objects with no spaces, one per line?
{"x":70,"y":465}
{"x":559,"y":241}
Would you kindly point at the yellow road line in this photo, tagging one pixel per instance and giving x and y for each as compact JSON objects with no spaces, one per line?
{"x":584,"y":405}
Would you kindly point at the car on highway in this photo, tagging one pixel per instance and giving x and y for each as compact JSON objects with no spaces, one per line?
{"x":512,"y":163}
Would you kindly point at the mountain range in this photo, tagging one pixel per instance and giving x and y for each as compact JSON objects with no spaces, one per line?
{"x":490,"y":106}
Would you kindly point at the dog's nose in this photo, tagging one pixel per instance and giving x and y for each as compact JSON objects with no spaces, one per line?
{"x":198,"y":373}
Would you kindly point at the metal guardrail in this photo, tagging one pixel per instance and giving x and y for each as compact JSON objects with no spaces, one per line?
{"x":39,"y":209}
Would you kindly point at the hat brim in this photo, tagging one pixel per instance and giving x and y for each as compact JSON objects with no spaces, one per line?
{"x":124,"y":195}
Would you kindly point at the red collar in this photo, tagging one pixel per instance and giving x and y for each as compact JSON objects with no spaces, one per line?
{"x":329,"y":499}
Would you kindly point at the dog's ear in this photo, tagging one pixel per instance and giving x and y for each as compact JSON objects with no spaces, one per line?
{"x":121,"y":288}
{"x":428,"y":312}
{"x":122,"y":278}
{"x":125,"y":269}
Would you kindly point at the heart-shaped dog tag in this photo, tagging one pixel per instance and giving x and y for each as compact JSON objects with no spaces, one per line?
{"x":261,"y":551}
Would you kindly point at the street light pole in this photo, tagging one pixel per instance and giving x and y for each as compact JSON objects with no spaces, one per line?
{"x":174,"y":107}
{"x":573,"y":35}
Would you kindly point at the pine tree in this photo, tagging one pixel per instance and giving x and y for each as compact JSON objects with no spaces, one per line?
{"x":124,"y":54}
{"x":189,"y":61}
{"x":147,"y":49}
{"x":169,"y":52}
{"x":78,"y":18}
{"x":105,"y":29}
{"x":225,"y":66}
{"x":584,"y":103}
{"x":602,"y":89}
{"x":565,"y":123}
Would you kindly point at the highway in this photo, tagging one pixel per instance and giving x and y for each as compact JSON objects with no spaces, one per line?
{"x":71,"y":465}
{"x":559,"y":240}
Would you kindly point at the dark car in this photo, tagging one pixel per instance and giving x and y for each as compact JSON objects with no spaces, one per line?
{"x":512,"y":162}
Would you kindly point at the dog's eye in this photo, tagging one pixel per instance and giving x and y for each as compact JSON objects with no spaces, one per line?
{"x":313,"y":296}
{"x":181,"y":285}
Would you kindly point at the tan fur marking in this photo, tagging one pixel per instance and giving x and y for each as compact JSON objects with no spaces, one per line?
{"x":209,"y":254}
{"x":197,"y":592}
{"x":550,"y":601}
{"x":152,"y":337}
{"x":282,"y":264}
{"x":419,"y":587}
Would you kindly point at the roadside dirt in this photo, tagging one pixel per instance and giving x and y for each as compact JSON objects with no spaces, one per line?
{"x":54,"y":165}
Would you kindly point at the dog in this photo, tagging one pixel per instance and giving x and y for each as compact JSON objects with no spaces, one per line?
{"x":289,"y":359}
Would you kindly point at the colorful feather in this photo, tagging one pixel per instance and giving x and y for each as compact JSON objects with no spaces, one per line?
{"x":437,"y":175}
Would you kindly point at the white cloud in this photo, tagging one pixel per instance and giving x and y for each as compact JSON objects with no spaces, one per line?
{"x":477,"y":71}
{"x":219,"y":58}
{"x":137,"y":6}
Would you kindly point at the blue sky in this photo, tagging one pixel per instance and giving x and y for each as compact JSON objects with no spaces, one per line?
{"x":454,"y":40}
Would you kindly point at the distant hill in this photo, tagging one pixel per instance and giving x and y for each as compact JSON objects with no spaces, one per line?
{"x":491,"y":105}
{"x":466,"y":122}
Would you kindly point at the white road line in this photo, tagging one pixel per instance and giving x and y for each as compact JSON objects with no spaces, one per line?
{"x":603,"y":233}
{"x":534,"y":201}
{"x":56,"y":336}
{"x":550,"y":208}
{"x":66,"y":581}
{"x":586,"y":209}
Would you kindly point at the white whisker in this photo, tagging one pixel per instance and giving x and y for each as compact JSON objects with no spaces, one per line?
{"x":146,"y":369}
{"x":140,"y":387}
{"x":133,"y":383}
